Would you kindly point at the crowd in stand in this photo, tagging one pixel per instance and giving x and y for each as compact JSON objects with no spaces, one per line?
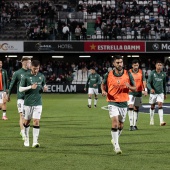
{"x":112,"y":20}
{"x":64,"y":72}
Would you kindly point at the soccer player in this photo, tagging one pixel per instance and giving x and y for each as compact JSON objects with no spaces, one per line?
{"x":157,"y":85}
{"x":135,"y":98}
{"x":32,"y":83}
{"x":115,"y":86}
{"x":16,"y":78}
{"x":3,"y":90}
{"x":93,"y":82}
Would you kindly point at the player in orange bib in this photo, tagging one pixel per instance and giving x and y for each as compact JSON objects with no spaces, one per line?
{"x":115,"y":86}
{"x":135,"y":98}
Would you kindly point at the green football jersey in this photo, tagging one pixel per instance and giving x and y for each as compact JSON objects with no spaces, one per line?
{"x":93,"y":79}
{"x":16,"y":78}
{"x":157,"y":81}
{"x":33,"y":96}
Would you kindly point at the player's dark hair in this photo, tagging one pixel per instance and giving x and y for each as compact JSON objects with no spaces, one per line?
{"x":117,"y":57}
{"x":135,"y":61}
{"x":158,"y":61}
{"x":35,"y":63}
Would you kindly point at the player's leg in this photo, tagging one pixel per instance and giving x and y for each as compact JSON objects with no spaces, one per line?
{"x":90,"y":93}
{"x":160,"y":100}
{"x":95,"y":97}
{"x":27,"y":113}
{"x":4,"y":107}
{"x":136,"y":115}
{"x":130,"y":111}
{"x":36,"y":125}
{"x":20,"y":105}
{"x":152,"y":101}
{"x":113,"y":112}
{"x":122,"y":117}
{"x":137,"y":104}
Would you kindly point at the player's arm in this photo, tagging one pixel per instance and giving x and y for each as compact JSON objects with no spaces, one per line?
{"x":144,"y":84}
{"x":44,"y":84}
{"x":132,"y":85}
{"x":150,"y":79}
{"x":12,"y":83}
{"x":87,"y":83}
{"x":164,"y":86}
{"x":104,"y":85}
{"x":6,"y":81}
{"x":23,"y":87}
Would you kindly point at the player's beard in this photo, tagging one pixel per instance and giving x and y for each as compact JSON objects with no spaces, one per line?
{"x":119,"y":68}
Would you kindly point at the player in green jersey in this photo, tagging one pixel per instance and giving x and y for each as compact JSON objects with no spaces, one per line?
{"x":32,"y":83}
{"x":157,"y":85}
{"x":16,"y":78}
{"x":93,"y":82}
{"x":3,"y":90}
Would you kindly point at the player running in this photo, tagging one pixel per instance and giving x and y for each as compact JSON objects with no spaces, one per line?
{"x":118,"y":82}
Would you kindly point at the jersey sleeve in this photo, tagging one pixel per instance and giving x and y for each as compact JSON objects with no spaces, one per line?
{"x":104,"y":81}
{"x":99,"y":81}
{"x":12,"y":83}
{"x":23,"y":82}
{"x":164,"y":84}
{"x":143,"y":76}
{"x":6,"y":80}
{"x":43,"y":82}
{"x":132,"y":82}
{"x":149,"y":81}
{"x":88,"y":79}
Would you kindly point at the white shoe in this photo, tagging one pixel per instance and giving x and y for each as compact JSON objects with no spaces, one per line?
{"x":35,"y":145}
{"x":151,"y":122}
{"x":26,"y":142}
{"x":22,"y":135}
{"x":118,"y":151}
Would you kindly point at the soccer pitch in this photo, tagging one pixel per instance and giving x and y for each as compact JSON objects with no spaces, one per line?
{"x":74,"y":137}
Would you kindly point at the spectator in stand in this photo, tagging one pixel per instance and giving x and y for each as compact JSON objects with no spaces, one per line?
{"x":80,"y":7}
{"x":77,"y":32}
{"x":84,"y":32}
{"x":166,"y":22}
{"x":156,"y":29}
{"x":161,"y":11}
{"x":135,"y":33}
{"x":142,"y":23}
{"x":65,"y":32}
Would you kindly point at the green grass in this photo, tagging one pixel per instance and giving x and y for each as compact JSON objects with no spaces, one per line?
{"x":74,"y":137}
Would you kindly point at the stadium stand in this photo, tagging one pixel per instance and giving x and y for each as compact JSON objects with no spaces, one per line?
{"x":104,"y":19}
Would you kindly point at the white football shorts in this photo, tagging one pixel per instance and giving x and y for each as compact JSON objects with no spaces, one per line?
{"x":135,"y":101}
{"x":20,"y":105}
{"x":93,"y":91}
{"x":32,"y":112}
{"x":154,"y":98}
{"x":2,"y":96}
{"x":117,"y":111}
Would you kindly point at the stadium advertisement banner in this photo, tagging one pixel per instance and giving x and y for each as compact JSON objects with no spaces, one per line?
{"x":65,"y":88}
{"x":49,"y":46}
{"x":11,"y":46}
{"x":114,"y":46}
{"x":163,"y":46}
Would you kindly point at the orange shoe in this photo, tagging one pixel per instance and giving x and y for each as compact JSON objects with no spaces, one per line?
{"x":4,"y":118}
